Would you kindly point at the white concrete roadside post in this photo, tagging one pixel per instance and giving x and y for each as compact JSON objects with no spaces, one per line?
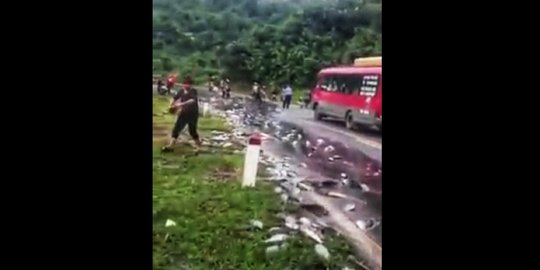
{"x":252,"y":160}
{"x":206,"y":107}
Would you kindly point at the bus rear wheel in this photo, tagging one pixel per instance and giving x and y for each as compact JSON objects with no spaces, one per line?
{"x":316,"y":114}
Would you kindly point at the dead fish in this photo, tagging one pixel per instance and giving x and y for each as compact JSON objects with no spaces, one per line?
{"x":227,"y":144}
{"x":320,"y":141}
{"x":305,"y":221}
{"x":364,"y":187}
{"x":330,"y":158}
{"x":277,"y":230}
{"x":291,"y":223}
{"x":294,"y":143}
{"x":361,"y":224}
{"x":256,"y":224}
{"x":281,"y":215}
{"x":290,"y":219}
{"x":322,"y":251}
{"x":305,"y":187}
{"x":308,"y":143}
{"x":170,"y":223}
{"x":329,"y":148}
{"x":311,"y":234}
{"x":275,"y":248}
{"x":336,"y":157}
{"x":349,"y":207}
{"x":344,"y":176}
{"x":278,"y":190}
{"x":336,"y":194}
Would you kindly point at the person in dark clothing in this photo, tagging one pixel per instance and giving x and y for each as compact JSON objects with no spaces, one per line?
{"x":160,"y":86}
{"x":256,"y":92}
{"x":227,"y":88}
{"x":185,"y":103}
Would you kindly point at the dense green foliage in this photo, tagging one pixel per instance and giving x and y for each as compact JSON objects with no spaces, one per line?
{"x":266,"y":40}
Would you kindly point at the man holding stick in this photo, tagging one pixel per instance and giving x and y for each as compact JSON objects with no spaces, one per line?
{"x":185,"y":104}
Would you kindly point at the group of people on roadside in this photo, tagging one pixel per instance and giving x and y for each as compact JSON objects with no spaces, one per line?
{"x":165,"y":88}
{"x":185,"y":103}
{"x":223,"y":86}
{"x":259,"y":93}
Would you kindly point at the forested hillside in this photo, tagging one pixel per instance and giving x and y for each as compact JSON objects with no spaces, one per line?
{"x":266,"y":40}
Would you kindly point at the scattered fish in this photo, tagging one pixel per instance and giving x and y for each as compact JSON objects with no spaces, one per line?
{"x":311,"y":234}
{"x":304,"y":221}
{"x":275,"y":248}
{"x":336,"y":194}
{"x":349,"y":207}
{"x":305,"y":187}
{"x":277,"y":230}
{"x":329,"y":148}
{"x":361,"y":224}
{"x":256,"y":223}
{"x":169,"y":223}
{"x":322,"y":251}
{"x":330,"y":158}
{"x":277,"y":238}
{"x":364,"y":187}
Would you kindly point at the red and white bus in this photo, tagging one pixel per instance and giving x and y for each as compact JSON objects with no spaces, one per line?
{"x":352,"y":93}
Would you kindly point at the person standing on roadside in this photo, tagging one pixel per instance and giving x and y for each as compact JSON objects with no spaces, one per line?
{"x":185,"y":104}
{"x":227,"y":88}
{"x":287,"y":96}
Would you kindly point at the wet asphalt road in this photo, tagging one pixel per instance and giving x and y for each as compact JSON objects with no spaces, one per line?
{"x":366,"y":140}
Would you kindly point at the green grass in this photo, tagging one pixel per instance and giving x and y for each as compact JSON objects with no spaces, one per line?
{"x":212,"y":212}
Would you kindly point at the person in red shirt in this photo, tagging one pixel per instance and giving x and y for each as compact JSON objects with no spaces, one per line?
{"x":171,"y":81}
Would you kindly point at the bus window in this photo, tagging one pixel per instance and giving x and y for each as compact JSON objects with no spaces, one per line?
{"x":349,"y":84}
{"x":324,"y":83}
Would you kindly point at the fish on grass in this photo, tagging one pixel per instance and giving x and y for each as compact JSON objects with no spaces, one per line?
{"x":311,"y":234}
{"x":280,"y":237}
{"x":170,"y":223}
{"x":256,"y":224}
{"x":275,"y":248}
{"x":322,"y":251}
